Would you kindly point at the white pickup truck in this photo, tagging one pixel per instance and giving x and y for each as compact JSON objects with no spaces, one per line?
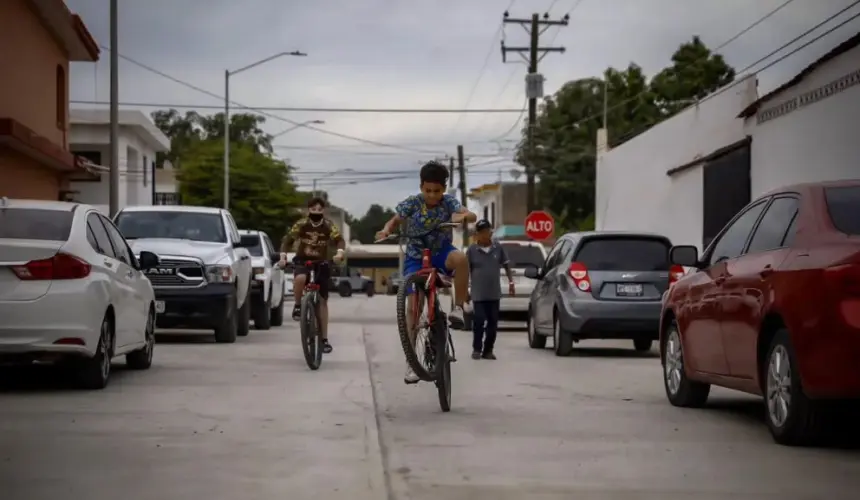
{"x":204,"y":278}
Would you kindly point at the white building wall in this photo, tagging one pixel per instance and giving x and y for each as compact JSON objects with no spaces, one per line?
{"x":814,"y":142}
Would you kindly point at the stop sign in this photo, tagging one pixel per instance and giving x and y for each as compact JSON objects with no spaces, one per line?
{"x":539,"y":225}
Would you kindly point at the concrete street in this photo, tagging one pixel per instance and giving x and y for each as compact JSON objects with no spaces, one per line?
{"x":250,"y":421}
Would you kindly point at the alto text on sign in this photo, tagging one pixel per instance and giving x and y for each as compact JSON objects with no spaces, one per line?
{"x":539,"y":225}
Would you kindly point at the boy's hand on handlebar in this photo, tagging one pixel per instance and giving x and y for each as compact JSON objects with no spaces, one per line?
{"x":382,"y":234}
{"x":458,"y":218}
{"x":338,"y":257}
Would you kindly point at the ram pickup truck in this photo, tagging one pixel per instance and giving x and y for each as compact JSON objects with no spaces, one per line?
{"x":204,"y":278}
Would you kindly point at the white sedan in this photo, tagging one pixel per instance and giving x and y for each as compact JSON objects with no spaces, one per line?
{"x":71,"y":291}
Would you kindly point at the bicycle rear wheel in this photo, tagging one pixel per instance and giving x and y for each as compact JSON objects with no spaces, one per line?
{"x":310,"y":331}
{"x":421,"y":362}
{"x":441,"y":338}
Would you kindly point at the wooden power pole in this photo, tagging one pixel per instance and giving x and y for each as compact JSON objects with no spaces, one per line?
{"x":451,"y":172}
{"x":534,"y":83}
{"x":461,"y":167}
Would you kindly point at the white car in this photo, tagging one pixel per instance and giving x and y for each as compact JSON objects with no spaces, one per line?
{"x":267,"y":287}
{"x":71,"y":291}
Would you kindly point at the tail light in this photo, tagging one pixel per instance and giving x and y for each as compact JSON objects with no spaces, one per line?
{"x":579,"y":273}
{"x":676,"y":272}
{"x":59,"y":267}
{"x":845,"y":279}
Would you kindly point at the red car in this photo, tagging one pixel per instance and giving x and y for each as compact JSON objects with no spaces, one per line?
{"x":772,"y":308}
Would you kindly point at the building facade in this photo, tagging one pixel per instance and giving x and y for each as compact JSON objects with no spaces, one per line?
{"x":39,"y":39}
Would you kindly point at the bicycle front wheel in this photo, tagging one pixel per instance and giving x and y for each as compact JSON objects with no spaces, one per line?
{"x":418,"y":352}
{"x":310,"y":331}
{"x":441,"y":339}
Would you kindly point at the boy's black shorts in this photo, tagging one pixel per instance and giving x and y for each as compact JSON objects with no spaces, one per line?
{"x":322,"y":272}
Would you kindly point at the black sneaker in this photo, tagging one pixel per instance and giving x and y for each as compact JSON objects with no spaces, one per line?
{"x":297,"y":312}
{"x":489,"y":355}
{"x":476,"y":355}
{"x":326,"y":346}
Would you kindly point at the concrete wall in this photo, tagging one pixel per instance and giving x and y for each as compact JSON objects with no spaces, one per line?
{"x":633,"y":191}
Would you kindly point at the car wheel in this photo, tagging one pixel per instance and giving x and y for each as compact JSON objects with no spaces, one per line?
{"x":277,"y":315}
{"x":244,"y":315}
{"x":141,"y":359}
{"x":793,"y":418}
{"x":562,"y":341}
{"x":94,"y":373}
{"x":536,"y":341}
{"x":642,"y":345}
{"x":226,"y":332}
{"x":680,"y":390}
{"x":263,"y":314}
{"x":369,"y":289}
{"x":344,"y":289}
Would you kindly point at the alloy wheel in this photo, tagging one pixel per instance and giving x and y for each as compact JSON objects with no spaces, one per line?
{"x":150,"y":337}
{"x":673,"y":364}
{"x":104,"y":349}
{"x":779,"y":386}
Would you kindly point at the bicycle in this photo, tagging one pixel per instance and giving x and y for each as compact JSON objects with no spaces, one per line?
{"x":309,"y":324}
{"x":433,"y":363}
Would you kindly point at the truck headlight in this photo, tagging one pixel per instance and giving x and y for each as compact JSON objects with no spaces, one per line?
{"x":219,"y":274}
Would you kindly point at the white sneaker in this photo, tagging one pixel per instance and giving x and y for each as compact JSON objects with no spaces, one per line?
{"x":410,"y":377}
{"x":455,"y":318}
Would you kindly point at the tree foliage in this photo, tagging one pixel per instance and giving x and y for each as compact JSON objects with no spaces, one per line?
{"x":262,"y":193}
{"x":564,"y":148}
{"x":364,"y":229}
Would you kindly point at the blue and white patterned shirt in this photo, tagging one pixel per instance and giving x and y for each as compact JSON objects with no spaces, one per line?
{"x":419,"y":218}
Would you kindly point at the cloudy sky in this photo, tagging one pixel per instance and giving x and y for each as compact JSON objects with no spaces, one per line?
{"x":410,"y":54}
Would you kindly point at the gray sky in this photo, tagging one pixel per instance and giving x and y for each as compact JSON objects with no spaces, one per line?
{"x":406,"y":54}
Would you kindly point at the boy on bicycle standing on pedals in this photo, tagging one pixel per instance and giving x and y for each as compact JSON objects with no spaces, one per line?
{"x":312,"y":236}
{"x":418,"y":215}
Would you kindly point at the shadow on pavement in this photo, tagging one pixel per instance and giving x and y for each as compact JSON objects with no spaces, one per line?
{"x":46,"y":379}
{"x":184,"y":337}
{"x":611,"y":352}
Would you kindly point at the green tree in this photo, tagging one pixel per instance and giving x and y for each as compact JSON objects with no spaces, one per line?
{"x":364,"y":229}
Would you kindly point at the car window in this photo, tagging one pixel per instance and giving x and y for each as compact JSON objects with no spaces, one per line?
{"x":269,"y":246}
{"x":36,"y":224}
{"x":770,"y":232}
{"x":119,"y":245}
{"x":624,"y":253}
{"x":103,"y":244}
{"x":234,"y":230}
{"x":555,"y":254}
{"x":193,"y":226}
{"x":523,"y":255}
{"x":790,"y":232}
{"x":255,"y":246}
{"x":732,"y":241}
{"x":843,"y":204}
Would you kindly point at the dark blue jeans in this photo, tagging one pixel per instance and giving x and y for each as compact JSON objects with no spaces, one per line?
{"x":485,"y":325}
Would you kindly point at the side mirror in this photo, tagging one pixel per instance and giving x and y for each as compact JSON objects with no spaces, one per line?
{"x":531,"y":271}
{"x":148,"y":260}
{"x":684,"y":255}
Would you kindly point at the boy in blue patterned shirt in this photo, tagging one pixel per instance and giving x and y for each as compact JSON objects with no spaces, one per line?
{"x":420,"y":213}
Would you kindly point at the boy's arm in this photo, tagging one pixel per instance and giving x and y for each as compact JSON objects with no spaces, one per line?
{"x":403,"y":210}
{"x":459,"y":213}
{"x":337,"y":238}
{"x":291,"y":236}
{"x":506,"y":263}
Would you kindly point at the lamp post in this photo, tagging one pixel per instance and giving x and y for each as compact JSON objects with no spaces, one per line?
{"x":227,"y":75}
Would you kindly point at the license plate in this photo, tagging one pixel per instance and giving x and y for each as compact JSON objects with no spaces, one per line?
{"x":159,"y":306}
{"x":628,"y":290}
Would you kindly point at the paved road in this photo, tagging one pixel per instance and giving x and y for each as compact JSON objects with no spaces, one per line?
{"x":250,"y":421}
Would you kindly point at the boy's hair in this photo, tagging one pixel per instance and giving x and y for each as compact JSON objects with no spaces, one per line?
{"x":316,"y":200}
{"x":434,"y":172}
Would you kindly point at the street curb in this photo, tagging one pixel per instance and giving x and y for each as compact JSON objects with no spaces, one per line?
{"x":395,"y":486}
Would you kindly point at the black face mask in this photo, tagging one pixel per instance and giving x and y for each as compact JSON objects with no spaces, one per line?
{"x":315,"y":217}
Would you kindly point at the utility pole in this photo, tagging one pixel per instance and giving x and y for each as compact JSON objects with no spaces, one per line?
{"x":451,"y":172}
{"x":461,"y":166}
{"x":113,"y":191}
{"x":534,"y":82}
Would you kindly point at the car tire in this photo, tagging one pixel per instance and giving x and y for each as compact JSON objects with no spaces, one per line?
{"x":94,"y":373}
{"x":680,"y":390}
{"x":141,"y":359}
{"x":369,"y":289}
{"x":562,"y":341}
{"x":536,"y":341}
{"x":642,"y":345}
{"x":277,"y":314}
{"x":796,"y":420}
{"x":227,"y":331}
{"x":244,"y":315}
{"x":344,"y":289}
{"x":263,"y":314}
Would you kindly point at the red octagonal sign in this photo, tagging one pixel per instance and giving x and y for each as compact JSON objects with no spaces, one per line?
{"x":539,"y":225}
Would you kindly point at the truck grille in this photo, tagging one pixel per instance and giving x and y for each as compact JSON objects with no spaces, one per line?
{"x":172,"y":273}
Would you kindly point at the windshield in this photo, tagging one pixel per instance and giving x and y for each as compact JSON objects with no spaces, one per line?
{"x":624,"y":254}
{"x":35,"y":224}
{"x":172,"y":225}
{"x":522,"y":256}
{"x":254,"y":246}
{"x":843,"y":203}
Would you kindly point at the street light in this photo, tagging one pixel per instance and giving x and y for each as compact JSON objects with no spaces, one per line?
{"x":303,"y":124}
{"x":227,"y":75}
{"x":326,"y":176}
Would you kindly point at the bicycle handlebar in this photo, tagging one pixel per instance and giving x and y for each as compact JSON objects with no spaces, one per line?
{"x":435,"y":228}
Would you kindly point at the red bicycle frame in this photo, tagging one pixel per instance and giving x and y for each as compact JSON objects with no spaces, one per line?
{"x":309,"y":286}
{"x":432,"y":274}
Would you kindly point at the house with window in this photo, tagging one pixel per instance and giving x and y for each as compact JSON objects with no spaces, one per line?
{"x":139,"y":141}
{"x":39,"y":39}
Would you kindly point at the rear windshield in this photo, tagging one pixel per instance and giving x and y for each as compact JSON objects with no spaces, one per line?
{"x":624,"y":254}
{"x":255,"y":248}
{"x":523,"y":255}
{"x":172,"y":225}
{"x":35,"y":224}
{"x":843,"y":203}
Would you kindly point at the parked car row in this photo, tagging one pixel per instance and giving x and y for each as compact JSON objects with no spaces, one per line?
{"x":771,"y":307}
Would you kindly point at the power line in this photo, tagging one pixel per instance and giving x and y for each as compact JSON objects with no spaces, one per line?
{"x":297,"y":109}
{"x":575,"y":5}
{"x":480,"y":75}
{"x":753,"y":25}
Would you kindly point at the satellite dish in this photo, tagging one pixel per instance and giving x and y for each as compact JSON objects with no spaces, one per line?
{"x":515,"y":173}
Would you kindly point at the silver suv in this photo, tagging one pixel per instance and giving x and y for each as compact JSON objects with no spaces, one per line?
{"x":600,"y":285}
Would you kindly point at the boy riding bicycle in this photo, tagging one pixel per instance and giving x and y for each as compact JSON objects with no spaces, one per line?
{"x":312,"y":236}
{"x":419,"y":214}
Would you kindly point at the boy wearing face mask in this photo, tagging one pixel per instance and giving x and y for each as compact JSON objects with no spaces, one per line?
{"x":312,"y":237}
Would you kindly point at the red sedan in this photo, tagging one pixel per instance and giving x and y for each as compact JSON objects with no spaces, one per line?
{"x":772,"y":308}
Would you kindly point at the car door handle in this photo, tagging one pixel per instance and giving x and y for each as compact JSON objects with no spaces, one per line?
{"x":108,"y":263}
{"x":767,"y":271}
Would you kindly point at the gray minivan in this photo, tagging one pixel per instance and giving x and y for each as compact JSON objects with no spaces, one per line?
{"x":600,"y":285}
